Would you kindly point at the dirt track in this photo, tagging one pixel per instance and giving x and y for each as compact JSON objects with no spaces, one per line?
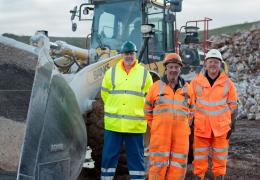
{"x":244,"y":156}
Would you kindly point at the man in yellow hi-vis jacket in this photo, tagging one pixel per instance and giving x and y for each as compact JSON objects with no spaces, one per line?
{"x":123,"y":91}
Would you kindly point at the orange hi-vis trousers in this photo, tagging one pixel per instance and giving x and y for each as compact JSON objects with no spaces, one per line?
{"x":201,"y":149}
{"x":169,"y":160}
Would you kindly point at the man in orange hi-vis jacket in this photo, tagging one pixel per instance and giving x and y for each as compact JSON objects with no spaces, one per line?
{"x":215,"y":102}
{"x":168,"y":112}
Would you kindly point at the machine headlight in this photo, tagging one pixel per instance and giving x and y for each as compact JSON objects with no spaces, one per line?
{"x":147,"y":28}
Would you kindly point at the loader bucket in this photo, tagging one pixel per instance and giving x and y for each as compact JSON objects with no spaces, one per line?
{"x":55,"y":139}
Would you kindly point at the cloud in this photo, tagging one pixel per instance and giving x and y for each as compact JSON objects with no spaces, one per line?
{"x":222,"y":12}
{"x":26,"y":16}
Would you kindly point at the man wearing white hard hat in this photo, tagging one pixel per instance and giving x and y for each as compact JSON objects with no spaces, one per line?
{"x":215,"y":103}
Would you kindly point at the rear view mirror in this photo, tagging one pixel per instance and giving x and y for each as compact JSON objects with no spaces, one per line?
{"x":73,"y":13}
{"x":176,"y":5}
{"x":74,"y":27}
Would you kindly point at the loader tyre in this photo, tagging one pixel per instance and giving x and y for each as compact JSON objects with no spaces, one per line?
{"x":94,"y":121}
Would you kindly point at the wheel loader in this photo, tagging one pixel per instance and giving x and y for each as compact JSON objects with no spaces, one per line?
{"x":64,"y":121}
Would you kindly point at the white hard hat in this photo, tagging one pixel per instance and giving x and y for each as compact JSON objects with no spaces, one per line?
{"x":214,"y":53}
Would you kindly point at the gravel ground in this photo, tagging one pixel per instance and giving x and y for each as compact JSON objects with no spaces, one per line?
{"x":11,"y":136}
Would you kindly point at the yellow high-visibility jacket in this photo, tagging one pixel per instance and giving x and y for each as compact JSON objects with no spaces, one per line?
{"x":124,"y":95}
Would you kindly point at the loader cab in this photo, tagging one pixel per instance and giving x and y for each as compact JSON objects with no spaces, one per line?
{"x":163,"y":40}
{"x":117,"y":21}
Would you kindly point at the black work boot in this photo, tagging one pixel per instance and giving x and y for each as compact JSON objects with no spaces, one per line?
{"x":219,"y":178}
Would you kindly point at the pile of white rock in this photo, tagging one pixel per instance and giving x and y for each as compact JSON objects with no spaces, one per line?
{"x":241,"y":51}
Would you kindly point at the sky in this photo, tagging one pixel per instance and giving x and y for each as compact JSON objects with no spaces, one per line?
{"x":24,"y":17}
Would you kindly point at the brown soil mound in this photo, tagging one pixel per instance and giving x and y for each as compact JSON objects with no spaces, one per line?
{"x":16,"y":79}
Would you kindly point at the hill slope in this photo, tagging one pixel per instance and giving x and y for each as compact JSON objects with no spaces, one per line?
{"x":232,"y":29}
{"x":76,"y":41}
{"x":80,"y":42}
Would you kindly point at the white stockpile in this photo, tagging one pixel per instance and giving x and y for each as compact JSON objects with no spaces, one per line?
{"x":241,"y":51}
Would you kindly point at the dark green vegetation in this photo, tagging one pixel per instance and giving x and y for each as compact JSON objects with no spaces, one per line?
{"x":232,"y":29}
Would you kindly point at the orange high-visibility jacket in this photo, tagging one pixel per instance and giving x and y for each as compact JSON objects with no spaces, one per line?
{"x":163,"y":105}
{"x":213,"y":105}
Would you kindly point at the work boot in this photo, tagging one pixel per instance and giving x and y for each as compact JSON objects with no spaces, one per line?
{"x":219,"y":178}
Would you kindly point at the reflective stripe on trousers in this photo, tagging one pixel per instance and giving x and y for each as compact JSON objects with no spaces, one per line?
{"x":113,"y":142}
{"x":202,"y":147}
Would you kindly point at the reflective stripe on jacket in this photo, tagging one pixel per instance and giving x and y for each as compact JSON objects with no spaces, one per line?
{"x":162,"y":103}
{"x":123,"y":95}
{"x":213,"y":105}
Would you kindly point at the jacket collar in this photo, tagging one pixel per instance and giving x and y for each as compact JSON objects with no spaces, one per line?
{"x":181,"y":81}
{"x":204,"y":81}
{"x":121,"y":65}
